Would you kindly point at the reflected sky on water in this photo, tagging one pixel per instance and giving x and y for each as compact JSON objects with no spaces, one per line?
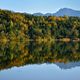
{"x":40,"y":72}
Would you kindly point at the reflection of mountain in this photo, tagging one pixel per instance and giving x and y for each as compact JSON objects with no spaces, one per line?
{"x":22,"y":53}
{"x":68,"y":65}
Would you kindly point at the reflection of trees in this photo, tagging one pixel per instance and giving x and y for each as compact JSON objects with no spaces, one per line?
{"x":22,"y":53}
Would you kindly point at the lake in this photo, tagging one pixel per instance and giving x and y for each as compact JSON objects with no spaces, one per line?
{"x":40,"y":61}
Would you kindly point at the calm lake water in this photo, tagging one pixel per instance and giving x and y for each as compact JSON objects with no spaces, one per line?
{"x":40,"y":61}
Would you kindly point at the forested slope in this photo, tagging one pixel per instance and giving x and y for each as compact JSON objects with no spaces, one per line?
{"x":22,"y":26}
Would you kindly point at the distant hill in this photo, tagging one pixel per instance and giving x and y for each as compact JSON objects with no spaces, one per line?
{"x":38,"y":14}
{"x":61,"y":12}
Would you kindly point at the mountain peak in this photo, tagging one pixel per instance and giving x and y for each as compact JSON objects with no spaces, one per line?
{"x":68,"y":12}
{"x":66,"y":9}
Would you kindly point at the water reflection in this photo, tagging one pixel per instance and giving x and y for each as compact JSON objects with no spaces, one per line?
{"x":69,"y":65}
{"x":40,"y":72}
{"x":65,"y":55}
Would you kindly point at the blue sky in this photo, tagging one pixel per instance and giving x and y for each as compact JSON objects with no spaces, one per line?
{"x":44,"y":6}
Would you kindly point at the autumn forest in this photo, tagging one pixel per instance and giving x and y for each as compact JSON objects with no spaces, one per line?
{"x":22,"y":26}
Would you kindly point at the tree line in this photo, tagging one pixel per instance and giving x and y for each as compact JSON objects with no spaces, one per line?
{"x":22,"y":26}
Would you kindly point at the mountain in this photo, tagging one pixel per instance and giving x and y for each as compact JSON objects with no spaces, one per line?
{"x":61,"y":12}
{"x":48,"y":14}
{"x":68,"y":12}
